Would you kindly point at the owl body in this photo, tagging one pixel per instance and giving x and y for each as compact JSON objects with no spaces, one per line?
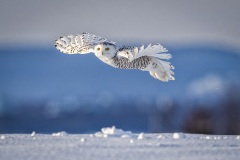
{"x":123,"y":57}
{"x":124,"y":63}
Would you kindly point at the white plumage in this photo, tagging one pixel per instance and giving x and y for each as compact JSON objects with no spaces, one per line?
{"x":149,"y":59}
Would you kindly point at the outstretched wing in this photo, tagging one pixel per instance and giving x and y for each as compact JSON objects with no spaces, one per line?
{"x":159,"y":68}
{"x":79,"y":44}
{"x":157,"y":51}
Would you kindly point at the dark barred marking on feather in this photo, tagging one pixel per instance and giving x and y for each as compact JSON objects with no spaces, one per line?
{"x":127,"y":48}
{"x":139,"y":63}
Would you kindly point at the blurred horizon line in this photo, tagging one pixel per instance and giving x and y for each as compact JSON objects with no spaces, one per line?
{"x":167,"y":44}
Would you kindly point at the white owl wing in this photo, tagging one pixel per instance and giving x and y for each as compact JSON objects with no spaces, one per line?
{"x":157,"y":51}
{"x":79,"y":44}
{"x":163,"y":70}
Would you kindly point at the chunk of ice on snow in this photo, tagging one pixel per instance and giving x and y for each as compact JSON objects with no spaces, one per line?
{"x":83,"y":140}
{"x":161,"y":137}
{"x":33,"y":134}
{"x":109,"y":130}
{"x":178,"y":135}
{"x":131,"y":141}
{"x":140,"y":136}
{"x":113,"y":132}
{"x":125,"y":136}
{"x":63,"y":133}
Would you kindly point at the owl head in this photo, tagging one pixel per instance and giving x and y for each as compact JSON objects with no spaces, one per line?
{"x":106,"y":50}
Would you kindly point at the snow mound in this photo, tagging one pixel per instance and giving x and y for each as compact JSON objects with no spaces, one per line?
{"x":140,"y":136}
{"x":33,"y":134}
{"x":178,"y":135}
{"x":114,"y":132}
{"x":59,"y":134}
{"x":83,"y":139}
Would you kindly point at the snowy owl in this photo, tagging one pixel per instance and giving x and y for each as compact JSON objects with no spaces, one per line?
{"x":124,"y":57}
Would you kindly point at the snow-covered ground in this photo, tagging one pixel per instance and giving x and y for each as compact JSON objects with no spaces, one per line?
{"x":112,"y":143}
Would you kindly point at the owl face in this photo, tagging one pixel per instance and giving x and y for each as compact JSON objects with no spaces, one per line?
{"x":105,"y":50}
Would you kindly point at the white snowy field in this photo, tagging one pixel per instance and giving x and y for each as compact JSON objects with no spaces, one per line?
{"x":112,"y":143}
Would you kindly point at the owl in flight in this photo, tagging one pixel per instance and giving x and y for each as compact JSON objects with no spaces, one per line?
{"x":148,"y":58}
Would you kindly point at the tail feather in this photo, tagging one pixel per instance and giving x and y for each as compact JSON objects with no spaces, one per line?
{"x":162,"y":71}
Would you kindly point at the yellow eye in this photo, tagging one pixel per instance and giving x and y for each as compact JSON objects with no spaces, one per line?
{"x":98,"y":48}
{"x":106,"y":49}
